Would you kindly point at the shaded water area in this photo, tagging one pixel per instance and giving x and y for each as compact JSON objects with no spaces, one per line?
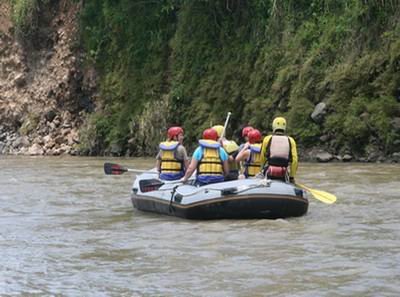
{"x":66,"y":229}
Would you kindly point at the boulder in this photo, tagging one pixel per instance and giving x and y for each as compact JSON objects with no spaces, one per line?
{"x":396,"y":123}
{"x":374,"y":156}
{"x":39,"y":140}
{"x":347,"y":158}
{"x":50,"y":144}
{"x":35,"y":150}
{"x":324,"y":138}
{"x":20,"y":80}
{"x":116,"y":149}
{"x":324,"y":157}
{"x":21,"y":142}
{"x":396,"y":157}
{"x":319,"y":112}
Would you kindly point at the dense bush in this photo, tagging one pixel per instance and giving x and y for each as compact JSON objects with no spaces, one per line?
{"x":190,"y":62}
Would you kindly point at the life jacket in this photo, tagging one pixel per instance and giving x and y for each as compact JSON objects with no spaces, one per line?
{"x":253,"y":162}
{"x":232,"y":149}
{"x":171,"y":167}
{"x":278,"y":151}
{"x":210,"y":168}
{"x":278,"y":157}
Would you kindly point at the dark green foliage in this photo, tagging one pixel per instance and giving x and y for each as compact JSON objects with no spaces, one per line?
{"x":190,"y":62}
{"x":26,"y":16}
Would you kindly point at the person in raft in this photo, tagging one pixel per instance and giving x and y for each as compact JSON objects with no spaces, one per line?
{"x":251,"y":154}
{"x":172,"y":159}
{"x":210,"y":160}
{"x":278,"y":153}
{"x":232,"y":149}
{"x":245,"y":132}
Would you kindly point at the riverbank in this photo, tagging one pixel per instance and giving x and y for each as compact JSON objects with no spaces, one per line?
{"x":314,"y":155}
{"x":323,"y":156}
{"x":45,"y":92}
{"x":79,"y":80}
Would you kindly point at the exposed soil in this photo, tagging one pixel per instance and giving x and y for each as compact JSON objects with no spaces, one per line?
{"x":44,"y":94}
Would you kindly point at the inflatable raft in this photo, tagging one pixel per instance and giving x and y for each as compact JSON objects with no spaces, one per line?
{"x":238,"y":199}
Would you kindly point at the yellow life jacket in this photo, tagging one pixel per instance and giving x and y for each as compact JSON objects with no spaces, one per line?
{"x":253,"y":163}
{"x":171,"y":167}
{"x":210,"y":163}
{"x":232,"y":149}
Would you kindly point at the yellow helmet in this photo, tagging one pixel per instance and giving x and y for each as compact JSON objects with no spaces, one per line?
{"x":219,"y":129}
{"x":279,"y":123}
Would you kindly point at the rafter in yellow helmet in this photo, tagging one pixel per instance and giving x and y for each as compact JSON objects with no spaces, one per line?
{"x":279,"y":123}
{"x":219,"y":129}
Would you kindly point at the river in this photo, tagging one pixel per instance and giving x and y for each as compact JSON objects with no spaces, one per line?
{"x":66,"y":229}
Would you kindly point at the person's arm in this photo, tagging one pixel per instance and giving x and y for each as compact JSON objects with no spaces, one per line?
{"x":191,"y":168}
{"x":224,"y":158}
{"x":294,"y":164}
{"x":243,"y":154}
{"x":264,"y":150}
{"x":187,"y":164}
{"x":185,"y":158}
{"x":158,"y":162}
{"x":193,"y":164}
{"x":225,"y":166}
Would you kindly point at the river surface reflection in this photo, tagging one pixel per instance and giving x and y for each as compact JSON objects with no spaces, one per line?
{"x":67,"y":229}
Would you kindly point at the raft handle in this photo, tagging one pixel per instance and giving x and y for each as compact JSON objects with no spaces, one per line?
{"x":229,"y":191}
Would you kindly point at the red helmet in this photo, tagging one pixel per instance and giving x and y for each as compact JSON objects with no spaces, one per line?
{"x":254,"y":136}
{"x":174,"y":131}
{"x":246,"y":130}
{"x":210,"y":134}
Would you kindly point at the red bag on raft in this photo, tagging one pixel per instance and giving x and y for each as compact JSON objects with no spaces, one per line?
{"x":276,"y":172}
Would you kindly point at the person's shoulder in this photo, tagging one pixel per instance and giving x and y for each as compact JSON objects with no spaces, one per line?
{"x":267,"y":138}
{"x":181,"y":148}
{"x":198,"y":149}
{"x":197,"y":153}
{"x":223,"y":153}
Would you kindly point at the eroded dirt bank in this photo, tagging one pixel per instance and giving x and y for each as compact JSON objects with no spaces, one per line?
{"x":44,"y":94}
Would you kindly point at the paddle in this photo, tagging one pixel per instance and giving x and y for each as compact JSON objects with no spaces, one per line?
{"x":116,"y":169}
{"x":230,"y":146}
{"x":322,"y":196}
{"x":225,"y":125}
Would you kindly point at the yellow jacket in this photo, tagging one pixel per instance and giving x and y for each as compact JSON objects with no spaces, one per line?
{"x":293,"y":154}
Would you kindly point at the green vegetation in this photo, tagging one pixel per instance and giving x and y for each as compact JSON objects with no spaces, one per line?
{"x":190,"y":62}
{"x":25,"y":15}
{"x":29,"y":124}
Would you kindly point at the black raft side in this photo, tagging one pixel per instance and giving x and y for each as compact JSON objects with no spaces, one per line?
{"x":253,"y":206}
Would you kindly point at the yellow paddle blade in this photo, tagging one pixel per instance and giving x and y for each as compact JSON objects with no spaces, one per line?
{"x":322,"y":196}
{"x":230,"y":146}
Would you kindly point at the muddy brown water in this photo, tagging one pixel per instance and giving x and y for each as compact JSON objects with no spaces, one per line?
{"x":66,"y":229}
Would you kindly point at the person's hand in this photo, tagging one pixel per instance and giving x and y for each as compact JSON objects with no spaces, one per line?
{"x":183,"y":180}
{"x":241,"y":176}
